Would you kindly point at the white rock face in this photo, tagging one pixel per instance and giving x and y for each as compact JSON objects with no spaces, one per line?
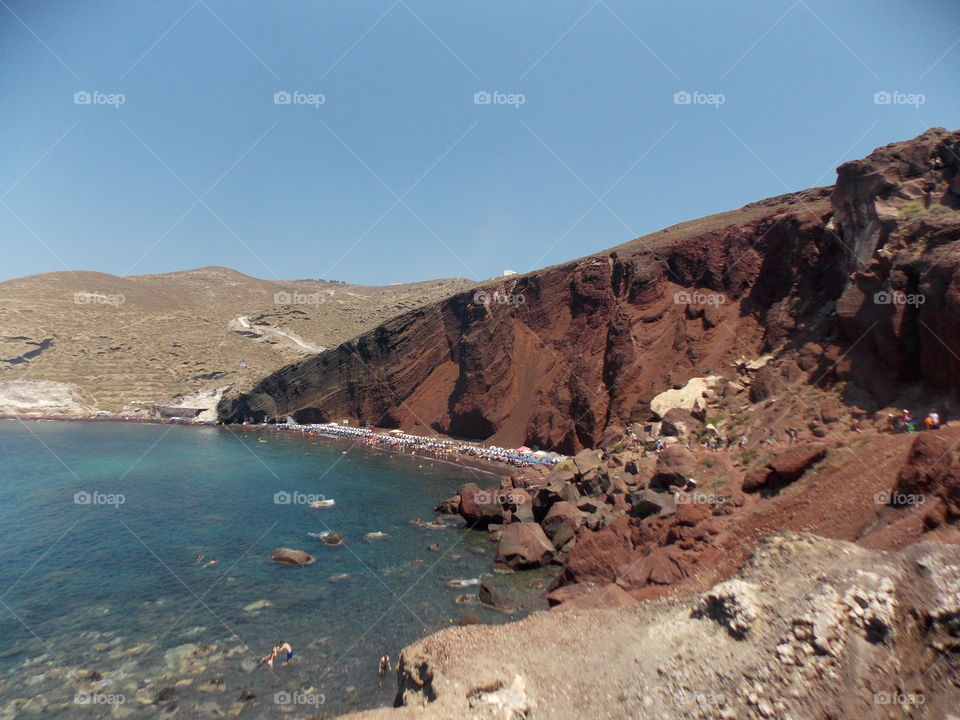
{"x":691,"y":396}
{"x":39,"y":397}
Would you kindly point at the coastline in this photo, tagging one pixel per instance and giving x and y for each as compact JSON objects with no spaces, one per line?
{"x":476,"y":464}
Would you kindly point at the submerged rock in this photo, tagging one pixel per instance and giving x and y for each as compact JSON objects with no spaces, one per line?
{"x":286,"y":556}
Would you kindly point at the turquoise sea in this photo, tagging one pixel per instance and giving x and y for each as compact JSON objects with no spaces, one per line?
{"x":104,"y":611}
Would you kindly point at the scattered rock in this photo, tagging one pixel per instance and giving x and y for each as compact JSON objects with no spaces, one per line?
{"x":286,"y":556}
{"x":523,"y":545}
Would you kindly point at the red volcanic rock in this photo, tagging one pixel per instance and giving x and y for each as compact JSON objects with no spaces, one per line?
{"x":674,"y":465}
{"x":608,"y":596}
{"x":678,"y":422}
{"x":791,"y":464}
{"x":766,"y":384}
{"x":567,"y":593}
{"x":786,"y":468}
{"x":596,"y":556}
{"x":691,"y":513}
{"x":561,"y":523}
{"x":523,"y":545}
{"x":932,"y":471}
{"x":483,"y":507}
{"x":663,"y":566}
{"x":595,"y":339}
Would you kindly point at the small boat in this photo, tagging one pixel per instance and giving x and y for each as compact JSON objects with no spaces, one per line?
{"x":323,"y":503}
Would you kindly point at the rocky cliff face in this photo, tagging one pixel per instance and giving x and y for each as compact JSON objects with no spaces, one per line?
{"x":557,"y":357}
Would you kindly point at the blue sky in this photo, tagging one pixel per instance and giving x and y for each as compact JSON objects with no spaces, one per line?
{"x":398,"y":175}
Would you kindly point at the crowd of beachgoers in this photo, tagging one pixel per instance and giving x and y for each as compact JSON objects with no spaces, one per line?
{"x":399,"y":441}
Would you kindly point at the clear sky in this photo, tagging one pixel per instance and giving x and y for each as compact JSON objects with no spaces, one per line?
{"x":398,"y":174}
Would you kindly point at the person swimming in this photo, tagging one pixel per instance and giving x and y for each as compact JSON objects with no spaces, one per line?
{"x":268,"y":659}
{"x":198,"y":560}
{"x":384,"y":665}
{"x":284,"y":647}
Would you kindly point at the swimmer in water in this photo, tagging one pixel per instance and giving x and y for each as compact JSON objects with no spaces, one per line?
{"x":384,"y":665}
{"x":284,"y":647}
{"x":198,"y":560}
{"x":268,"y":659}
{"x":211,"y":563}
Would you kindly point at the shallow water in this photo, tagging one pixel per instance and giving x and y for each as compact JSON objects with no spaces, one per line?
{"x":103,"y":607}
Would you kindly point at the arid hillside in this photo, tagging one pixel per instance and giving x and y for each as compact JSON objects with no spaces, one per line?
{"x":126,"y":343}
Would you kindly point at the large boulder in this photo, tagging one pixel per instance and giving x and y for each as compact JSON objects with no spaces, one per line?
{"x":483,"y":507}
{"x":587,"y":461}
{"x":523,"y":545}
{"x":674,"y":465}
{"x":287,"y":556}
{"x":791,"y":464}
{"x":784,"y":469}
{"x":491,"y":597}
{"x":561,"y":523}
{"x":932,"y":470}
{"x":692,"y":396}
{"x":678,"y":422}
{"x":597,"y":555}
{"x":766,"y":384}
{"x":663,"y":566}
{"x":644,"y":503}
{"x":520,"y":504}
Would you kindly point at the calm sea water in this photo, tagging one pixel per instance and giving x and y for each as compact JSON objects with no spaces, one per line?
{"x":103,"y":607}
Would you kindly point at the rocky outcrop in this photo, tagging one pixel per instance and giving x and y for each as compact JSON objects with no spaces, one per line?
{"x":811,"y":628}
{"x":593,"y":343}
{"x":523,"y":545}
{"x":932,"y":472}
{"x":785,"y":468}
{"x":287,"y":556}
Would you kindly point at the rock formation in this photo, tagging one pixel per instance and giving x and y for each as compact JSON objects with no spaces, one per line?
{"x":596,"y":340}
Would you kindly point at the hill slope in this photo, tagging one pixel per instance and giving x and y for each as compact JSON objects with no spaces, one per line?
{"x":557,"y":357}
{"x":135,"y":341}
